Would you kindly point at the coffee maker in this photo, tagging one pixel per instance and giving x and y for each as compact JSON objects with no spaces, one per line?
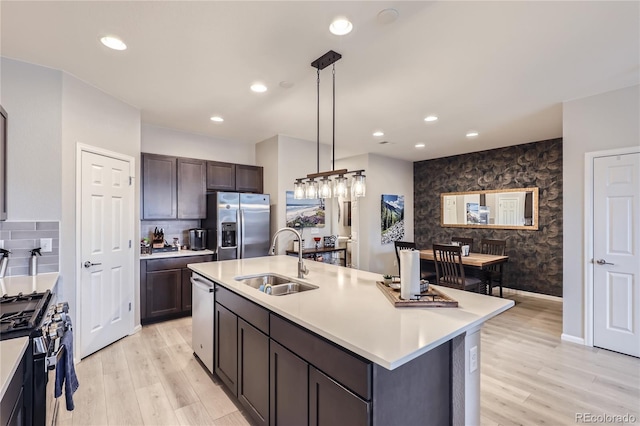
{"x":198,"y":238}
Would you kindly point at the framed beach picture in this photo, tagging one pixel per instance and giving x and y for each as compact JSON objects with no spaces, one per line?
{"x":305,"y":213}
{"x":392,"y":218}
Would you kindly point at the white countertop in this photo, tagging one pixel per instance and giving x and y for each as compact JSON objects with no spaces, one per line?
{"x":11,"y":352}
{"x":25,"y":284}
{"x":349,"y":310}
{"x":179,"y":253}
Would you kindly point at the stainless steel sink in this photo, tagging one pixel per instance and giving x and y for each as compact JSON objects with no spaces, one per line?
{"x":275,"y":284}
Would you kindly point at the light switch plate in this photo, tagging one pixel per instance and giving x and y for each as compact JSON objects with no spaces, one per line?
{"x":46,"y":244}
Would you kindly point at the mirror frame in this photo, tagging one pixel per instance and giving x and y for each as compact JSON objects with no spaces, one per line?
{"x":533,"y":227}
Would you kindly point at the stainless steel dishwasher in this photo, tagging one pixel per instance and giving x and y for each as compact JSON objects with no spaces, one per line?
{"x":202,"y":317}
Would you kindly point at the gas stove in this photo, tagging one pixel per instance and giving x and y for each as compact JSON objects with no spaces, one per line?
{"x":21,"y":314}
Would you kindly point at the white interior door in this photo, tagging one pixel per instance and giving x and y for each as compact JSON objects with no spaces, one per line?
{"x":106,"y":253}
{"x":508,"y":212}
{"x":616,"y":237}
{"x":450,"y":213}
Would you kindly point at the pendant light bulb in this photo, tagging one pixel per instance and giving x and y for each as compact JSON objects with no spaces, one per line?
{"x":325,"y":188}
{"x":359,"y":186}
{"x":340,"y":187}
{"x":312,"y":189}
{"x":298,"y":190}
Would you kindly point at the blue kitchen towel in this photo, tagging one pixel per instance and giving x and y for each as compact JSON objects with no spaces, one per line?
{"x":65,"y":370}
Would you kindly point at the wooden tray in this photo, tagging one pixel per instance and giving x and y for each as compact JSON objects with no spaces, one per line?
{"x":432,"y":298}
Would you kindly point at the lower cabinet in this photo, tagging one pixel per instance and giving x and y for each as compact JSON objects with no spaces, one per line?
{"x":165,"y":289}
{"x":331,"y":404}
{"x":253,"y":371}
{"x":12,"y":405}
{"x":226,"y":347}
{"x":289,"y":387}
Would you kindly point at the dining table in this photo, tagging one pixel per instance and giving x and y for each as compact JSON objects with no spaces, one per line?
{"x":474,"y":260}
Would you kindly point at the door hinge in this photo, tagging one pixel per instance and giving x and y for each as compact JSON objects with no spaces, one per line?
{"x":129,"y":243}
{"x":129,"y":306}
{"x":130,"y":180}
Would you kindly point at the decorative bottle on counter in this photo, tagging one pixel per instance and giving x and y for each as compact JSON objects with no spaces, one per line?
{"x":33,"y":262}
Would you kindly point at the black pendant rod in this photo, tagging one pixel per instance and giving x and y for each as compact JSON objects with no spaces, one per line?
{"x":318,"y":125}
{"x":333,"y":154}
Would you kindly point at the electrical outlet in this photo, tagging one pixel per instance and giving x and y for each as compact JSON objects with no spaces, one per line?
{"x":473,"y":359}
{"x":46,"y":244}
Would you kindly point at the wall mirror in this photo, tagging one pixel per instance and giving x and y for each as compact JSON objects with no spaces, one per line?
{"x":494,"y":209}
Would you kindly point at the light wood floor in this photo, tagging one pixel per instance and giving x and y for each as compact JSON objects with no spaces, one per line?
{"x":529,"y":377}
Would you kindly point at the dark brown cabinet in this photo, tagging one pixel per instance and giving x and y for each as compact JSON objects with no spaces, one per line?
{"x":192,"y":199}
{"x":253,"y":372}
{"x":165,"y":287}
{"x":226,"y":347}
{"x":332,"y":404}
{"x":12,"y":405}
{"x":289,"y":387}
{"x":173,"y":187}
{"x":249,"y":178}
{"x":234,"y":177}
{"x":221,"y":176}
{"x":159,"y":196}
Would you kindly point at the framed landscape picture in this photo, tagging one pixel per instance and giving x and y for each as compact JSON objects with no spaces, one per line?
{"x":305,"y":213}
{"x":392,"y":218}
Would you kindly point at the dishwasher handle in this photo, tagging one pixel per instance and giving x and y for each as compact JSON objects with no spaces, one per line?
{"x":202,"y":284}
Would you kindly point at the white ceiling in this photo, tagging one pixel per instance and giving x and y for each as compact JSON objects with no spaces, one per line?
{"x":501,"y":68}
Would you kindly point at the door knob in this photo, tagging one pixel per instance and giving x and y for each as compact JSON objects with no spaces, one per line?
{"x":603,"y":262}
{"x":88,"y":264}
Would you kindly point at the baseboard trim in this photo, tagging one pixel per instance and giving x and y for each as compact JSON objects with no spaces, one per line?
{"x":136,"y":329}
{"x":572,"y":339}
{"x":507,"y":290}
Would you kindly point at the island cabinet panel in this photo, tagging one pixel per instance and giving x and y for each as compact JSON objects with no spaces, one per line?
{"x":289,"y":387}
{"x":12,"y":406}
{"x":332,"y":404}
{"x":159,"y":196}
{"x":253,"y":372}
{"x":221,"y":176}
{"x":245,"y":309}
{"x":348,"y":369}
{"x":226,"y":347}
{"x":192,"y":198}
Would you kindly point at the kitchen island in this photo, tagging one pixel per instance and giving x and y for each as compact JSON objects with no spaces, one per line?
{"x":419,"y":365}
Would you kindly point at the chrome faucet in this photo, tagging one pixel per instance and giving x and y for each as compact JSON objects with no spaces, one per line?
{"x":302,"y":270}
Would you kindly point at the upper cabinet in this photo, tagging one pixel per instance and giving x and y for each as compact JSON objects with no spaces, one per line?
{"x":159,"y":190}
{"x":221,"y":176}
{"x":249,"y":178}
{"x":234,"y":177}
{"x":173,"y":187}
{"x":176,"y":187}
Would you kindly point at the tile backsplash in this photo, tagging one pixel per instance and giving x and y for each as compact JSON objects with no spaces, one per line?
{"x":21,"y":237}
{"x":172,"y":229}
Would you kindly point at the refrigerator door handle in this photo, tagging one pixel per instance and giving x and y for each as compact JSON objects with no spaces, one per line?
{"x":241,"y":256}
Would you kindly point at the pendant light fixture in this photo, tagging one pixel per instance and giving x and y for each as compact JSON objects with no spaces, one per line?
{"x":310,"y":188}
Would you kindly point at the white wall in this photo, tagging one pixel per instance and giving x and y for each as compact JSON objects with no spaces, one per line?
{"x":159,"y":140}
{"x":284,"y":159}
{"x":606,"y":121}
{"x":91,"y":117}
{"x":384,"y":176}
{"x":31,"y":95}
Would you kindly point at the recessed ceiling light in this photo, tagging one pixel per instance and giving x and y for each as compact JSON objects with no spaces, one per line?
{"x":378,"y":133}
{"x":340,"y":26}
{"x":258,"y":87}
{"x":431,"y":118}
{"x":286,"y":84}
{"x":419,"y":145}
{"x":472,"y":134}
{"x":217,"y":119}
{"x":387,"y":16}
{"x":113,"y":43}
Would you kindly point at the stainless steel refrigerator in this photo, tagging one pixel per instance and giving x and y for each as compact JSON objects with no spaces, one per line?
{"x":238,"y":225}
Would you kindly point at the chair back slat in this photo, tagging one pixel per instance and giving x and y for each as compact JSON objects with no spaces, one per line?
{"x":449,"y":269}
{"x":494,"y":247}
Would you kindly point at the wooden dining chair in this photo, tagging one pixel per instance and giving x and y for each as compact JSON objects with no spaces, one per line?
{"x":464,"y":241}
{"x":493,"y":273}
{"x":450,"y":271}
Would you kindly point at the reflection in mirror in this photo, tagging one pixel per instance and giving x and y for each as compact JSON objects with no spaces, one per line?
{"x":497,"y":209}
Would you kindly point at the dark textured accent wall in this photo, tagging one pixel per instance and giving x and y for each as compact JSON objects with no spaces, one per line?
{"x":535,"y":257}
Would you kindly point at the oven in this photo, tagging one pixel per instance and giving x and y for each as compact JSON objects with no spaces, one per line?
{"x":37,"y":316}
